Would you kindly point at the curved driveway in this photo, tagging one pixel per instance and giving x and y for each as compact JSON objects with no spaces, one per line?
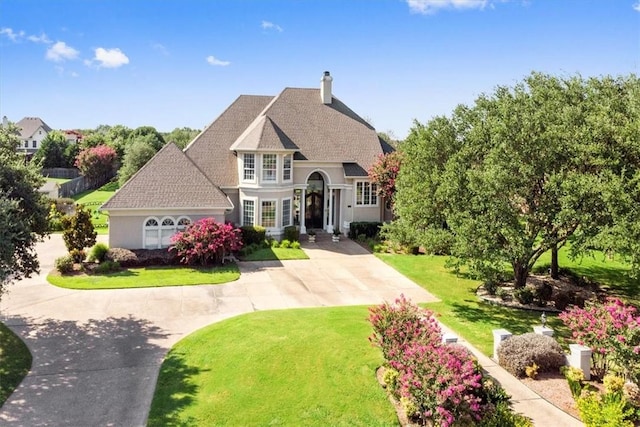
{"x":96,"y":354}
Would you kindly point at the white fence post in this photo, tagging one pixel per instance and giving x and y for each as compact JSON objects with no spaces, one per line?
{"x":499,"y":335}
{"x":543,"y":330}
{"x":449,"y":338}
{"x":580,"y":358}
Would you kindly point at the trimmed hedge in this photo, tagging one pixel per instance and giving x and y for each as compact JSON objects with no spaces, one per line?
{"x":520,"y":351}
{"x":253,"y":234}
{"x":369,"y":229}
{"x":291,"y":233}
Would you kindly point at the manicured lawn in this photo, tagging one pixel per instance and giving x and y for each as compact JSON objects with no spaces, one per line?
{"x":15,"y":362}
{"x":148,"y":277}
{"x":272,"y":254}
{"x":311,"y":367}
{"x":92,"y":200}
{"x":473,"y":320}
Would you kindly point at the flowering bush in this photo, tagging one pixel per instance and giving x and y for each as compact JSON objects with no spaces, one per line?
{"x":97,"y":163}
{"x":205,"y":241}
{"x":433,"y":381}
{"x":612,"y":331}
{"x":384,"y":173}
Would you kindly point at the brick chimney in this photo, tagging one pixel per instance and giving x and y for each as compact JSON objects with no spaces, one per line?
{"x":325,"y":88}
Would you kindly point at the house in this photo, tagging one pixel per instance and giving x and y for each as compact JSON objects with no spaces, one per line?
{"x":32,"y":131}
{"x":72,"y":136}
{"x":299,"y":158}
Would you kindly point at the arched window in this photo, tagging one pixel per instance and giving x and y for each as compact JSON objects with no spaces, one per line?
{"x":167,"y":230}
{"x":151,"y":233}
{"x":183,"y":223}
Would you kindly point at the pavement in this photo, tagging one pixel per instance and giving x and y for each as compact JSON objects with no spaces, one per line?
{"x":97,"y":354}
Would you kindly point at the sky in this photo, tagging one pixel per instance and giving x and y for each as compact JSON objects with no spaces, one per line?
{"x":174,"y":63}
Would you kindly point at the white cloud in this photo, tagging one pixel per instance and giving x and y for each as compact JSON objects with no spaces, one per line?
{"x":215,"y":61}
{"x":427,"y":7}
{"x":10,"y":34}
{"x":42,"y":38}
{"x":160,"y":48}
{"x":266,"y":25}
{"x":60,"y":51}
{"x":636,"y":6}
{"x":109,"y":58}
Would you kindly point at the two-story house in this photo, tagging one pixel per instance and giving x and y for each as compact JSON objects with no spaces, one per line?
{"x":32,"y":131}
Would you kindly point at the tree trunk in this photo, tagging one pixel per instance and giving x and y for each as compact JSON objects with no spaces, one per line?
{"x":520,"y":272}
{"x":555,"y":273}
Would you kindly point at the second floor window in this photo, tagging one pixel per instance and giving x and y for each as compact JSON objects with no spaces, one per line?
{"x":269,"y":167}
{"x":286,"y":168}
{"x":249,"y":167}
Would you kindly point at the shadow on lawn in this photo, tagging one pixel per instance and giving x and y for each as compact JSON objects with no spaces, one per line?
{"x":617,"y":281}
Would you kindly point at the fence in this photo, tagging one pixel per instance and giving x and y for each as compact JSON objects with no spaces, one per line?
{"x":73,"y":187}
{"x":64,"y":173}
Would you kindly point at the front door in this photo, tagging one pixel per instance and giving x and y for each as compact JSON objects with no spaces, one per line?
{"x":314,"y":211}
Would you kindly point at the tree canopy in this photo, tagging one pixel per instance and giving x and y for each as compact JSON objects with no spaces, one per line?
{"x":51,"y":153}
{"x":23,"y":211}
{"x":524,"y":170}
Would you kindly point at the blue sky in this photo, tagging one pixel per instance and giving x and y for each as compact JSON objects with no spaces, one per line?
{"x":170,"y":63}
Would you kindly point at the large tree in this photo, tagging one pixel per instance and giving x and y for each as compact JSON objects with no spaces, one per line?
{"x":515,"y":175}
{"x":139,"y":152}
{"x":97,"y":164}
{"x":181,"y":136}
{"x":51,"y":153}
{"x":23,"y":211}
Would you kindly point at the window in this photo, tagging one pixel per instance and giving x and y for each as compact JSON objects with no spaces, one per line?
{"x":167,"y":229}
{"x":269,"y":167}
{"x":286,"y":168}
{"x":26,"y":144}
{"x":183,"y":223}
{"x":366,"y":194}
{"x":35,"y":144}
{"x":249,"y":167}
{"x":151,"y":233}
{"x":286,"y":212}
{"x":248,"y":212}
{"x":268,"y":213}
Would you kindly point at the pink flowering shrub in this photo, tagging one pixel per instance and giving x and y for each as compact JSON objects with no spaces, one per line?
{"x":439,"y":382}
{"x":206,"y":241}
{"x":612,"y":331}
{"x":97,"y":163}
{"x":384,"y":173}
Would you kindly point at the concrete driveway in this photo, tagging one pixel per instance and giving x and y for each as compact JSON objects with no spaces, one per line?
{"x":97,"y":354}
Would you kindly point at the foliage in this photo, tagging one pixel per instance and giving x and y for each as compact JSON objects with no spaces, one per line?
{"x":15,"y":362}
{"x":524,"y":170}
{"x":291,"y":233}
{"x":607,"y":410}
{"x":295,"y":245}
{"x":181,"y":136}
{"x":64,"y":264}
{"x":98,"y":252}
{"x":612,"y":331}
{"x":206,"y":241}
{"x":532,"y":371}
{"x":137,"y":154}
{"x":384,"y":173}
{"x":23,"y":211}
{"x":97,"y":164}
{"x":148,"y":134}
{"x":77,"y":255}
{"x":54,"y":218}
{"x":524,"y":295}
{"x":77,"y":230}
{"x":575,"y":378}
{"x":518,"y":352}
{"x":107,"y":267}
{"x":154,"y":257}
{"x":369,"y":229}
{"x":285,"y":244}
{"x":51,"y":153}
{"x":504,"y":416}
{"x":124,"y":257}
{"x":253,"y":234}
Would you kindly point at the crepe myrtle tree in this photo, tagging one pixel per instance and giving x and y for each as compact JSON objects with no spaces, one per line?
{"x":523,"y":170}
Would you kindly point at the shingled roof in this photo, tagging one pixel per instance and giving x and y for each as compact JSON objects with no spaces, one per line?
{"x":295,"y":120}
{"x":168,"y":180}
{"x":29,"y":125}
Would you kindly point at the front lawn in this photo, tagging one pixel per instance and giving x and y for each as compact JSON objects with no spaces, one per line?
{"x":15,"y":362}
{"x":273,"y":254}
{"x":92,"y":200}
{"x":148,"y":277}
{"x":310,"y":367}
{"x":460,"y":309}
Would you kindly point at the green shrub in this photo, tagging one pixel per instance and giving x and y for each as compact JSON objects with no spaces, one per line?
{"x":77,"y":255}
{"x":295,"y":245}
{"x":64,"y":264}
{"x":438,"y":241}
{"x":608,"y":410}
{"x":273,"y":243}
{"x":98,"y":252}
{"x":574,"y":377}
{"x":124,"y":257}
{"x":286,"y":244}
{"x":542,"y":294}
{"x":107,"y":267}
{"x":520,"y":351}
{"x":502,"y":294}
{"x":291,"y":233}
{"x":253,"y":234}
{"x":491,"y":287}
{"x":524,"y":295}
{"x":369,"y":229}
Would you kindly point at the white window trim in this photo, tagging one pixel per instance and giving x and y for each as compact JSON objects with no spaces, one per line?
{"x":255,"y":168}
{"x":290,"y":167}
{"x":262,"y":169}
{"x":290,"y":221}
{"x":275,"y":220}
{"x":255,"y":209}
{"x":372,"y":194}
{"x":178,"y":227}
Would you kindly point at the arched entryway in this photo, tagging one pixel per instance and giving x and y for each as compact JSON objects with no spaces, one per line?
{"x":314,"y":202}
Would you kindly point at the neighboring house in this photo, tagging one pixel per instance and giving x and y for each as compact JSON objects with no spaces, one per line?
{"x":72,"y":136}
{"x":298,"y":158}
{"x":32,"y":131}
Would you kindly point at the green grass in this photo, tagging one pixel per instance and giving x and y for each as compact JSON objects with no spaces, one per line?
{"x":311,"y":367}
{"x":15,"y":362}
{"x":148,"y":277}
{"x":474,"y":320}
{"x":272,"y":254}
{"x":93,"y":199}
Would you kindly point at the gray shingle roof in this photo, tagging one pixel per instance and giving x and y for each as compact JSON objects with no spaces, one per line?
{"x":295,"y":118}
{"x":29,"y":125}
{"x":168,"y":180}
